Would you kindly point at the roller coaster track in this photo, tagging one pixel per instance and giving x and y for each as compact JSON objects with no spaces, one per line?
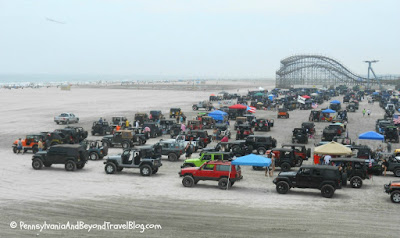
{"x":318,"y":70}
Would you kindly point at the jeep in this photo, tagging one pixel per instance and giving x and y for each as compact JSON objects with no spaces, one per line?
{"x":262,"y":125}
{"x":95,"y":149}
{"x":30,"y":143}
{"x":72,"y":156}
{"x":141,"y":117}
{"x":300,"y":135}
{"x":393,"y":188}
{"x":205,"y":157}
{"x":353,"y":169}
{"x":284,"y":158}
{"x":124,"y":138}
{"x":146,"y":159}
{"x":260,"y":143}
{"x":172,"y":149}
{"x":154,"y":129}
{"x":243,"y":131}
{"x":175,"y":112}
{"x":391,"y":134}
{"x":323,"y":177}
{"x":299,"y":150}
{"x":80,"y":133}
{"x":101,"y":128}
{"x":118,"y":120}
{"x":222,"y":171}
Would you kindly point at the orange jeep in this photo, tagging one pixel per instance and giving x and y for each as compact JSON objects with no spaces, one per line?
{"x":282,"y":113}
{"x":30,"y":143}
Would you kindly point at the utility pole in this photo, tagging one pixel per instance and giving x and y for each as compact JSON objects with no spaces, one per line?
{"x":370,"y":69}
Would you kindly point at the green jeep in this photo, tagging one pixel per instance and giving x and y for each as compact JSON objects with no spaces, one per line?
{"x":205,"y":157}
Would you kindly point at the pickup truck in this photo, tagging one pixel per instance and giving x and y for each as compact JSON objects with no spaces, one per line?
{"x":66,"y":118}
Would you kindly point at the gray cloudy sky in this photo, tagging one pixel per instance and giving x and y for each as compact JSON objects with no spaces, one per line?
{"x":184,"y":38}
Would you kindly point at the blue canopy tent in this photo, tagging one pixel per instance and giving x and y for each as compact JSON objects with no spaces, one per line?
{"x":218,"y":115}
{"x":371,"y":135}
{"x":375,"y":93}
{"x":335,"y":102}
{"x":328,"y":111}
{"x":251,"y":160}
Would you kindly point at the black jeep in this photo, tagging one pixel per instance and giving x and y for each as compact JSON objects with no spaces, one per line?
{"x":260,"y":143}
{"x":80,"y":132}
{"x":69,"y":136}
{"x":141,"y":117}
{"x":262,"y":125}
{"x":146,"y":159}
{"x":156,"y":115}
{"x":300,"y":136}
{"x":328,"y":134}
{"x":322,"y":177}
{"x":392,"y":134}
{"x":72,"y":156}
{"x":166,"y":125}
{"x":95,"y":149}
{"x":101,"y":128}
{"x":353,"y":169}
{"x":154,"y":129}
{"x":124,"y":138}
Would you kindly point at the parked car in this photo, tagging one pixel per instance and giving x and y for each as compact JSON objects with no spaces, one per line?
{"x":283,"y":113}
{"x":72,"y":156}
{"x":222,"y":171}
{"x":322,"y":177}
{"x":207,"y":105}
{"x":101,"y":128}
{"x":300,"y":135}
{"x":299,"y":150}
{"x":205,"y":157}
{"x":95,"y":150}
{"x":260,"y":143}
{"x":175,"y":112}
{"x":66,"y":118}
{"x":393,"y":188}
{"x":172,"y":149}
{"x":353,"y":170}
{"x":118,"y":120}
{"x":30,"y":143}
{"x":145,"y":159}
{"x":141,"y":117}
{"x":124,"y":138}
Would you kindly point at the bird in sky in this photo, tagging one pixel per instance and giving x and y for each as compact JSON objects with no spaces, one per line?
{"x":52,"y":20}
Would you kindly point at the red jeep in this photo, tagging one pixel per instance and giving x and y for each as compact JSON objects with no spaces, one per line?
{"x":217,"y":170}
{"x":299,"y":150}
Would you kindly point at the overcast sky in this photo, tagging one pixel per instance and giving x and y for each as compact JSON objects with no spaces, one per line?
{"x":203,"y":38}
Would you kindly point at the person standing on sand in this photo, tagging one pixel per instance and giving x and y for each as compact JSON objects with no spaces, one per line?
{"x":127,"y":123}
{"x":19,"y":146}
{"x":389,"y":147}
{"x":363,"y":112}
{"x":137,"y":124}
{"x":40,"y":145}
{"x":369,"y":112}
{"x":271,"y":167}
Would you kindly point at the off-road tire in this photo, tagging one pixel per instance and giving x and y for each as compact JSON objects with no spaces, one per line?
{"x":155,"y":171}
{"x":261,"y":151}
{"x":93,"y":156}
{"x":285,"y":167}
{"x":188,"y":181}
{"x":125,"y":145}
{"x":15,"y":149}
{"x":396,"y":172}
{"x":145,"y":170}
{"x":395,"y":196}
{"x":282,"y":187}
{"x":110,"y":168}
{"x":105,"y":144}
{"x":223,"y":183}
{"x":172,"y":157}
{"x":356,"y":182}
{"x":37,"y":163}
{"x":327,"y":191}
{"x":70,"y":165}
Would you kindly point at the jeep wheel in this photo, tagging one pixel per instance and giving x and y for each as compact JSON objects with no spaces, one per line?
{"x":194,"y":108}
{"x":261,"y":151}
{"x":119,"y":169}
{"x":146,"y":170}
{"x":35,"y":149}
{"x":125,"y":145}
{"x":327,"y":191}
{"x":142,"y":141}
{"x":282,"y":187}
{"x":223,"y":184}
{"x":396,"y":172}
{"x":155,"y":171}
{"x":94,"y":156}
{"x":299,"y":162}
{"x":110,"y":168}
{"x":356,"y":182}
{"x":285,"y":167}
{"x":395,"y":196}
{"x":344,"y":179}
{"x":15,"y":149}
{"x":70,"y":165}
{"x":188,"y":181}
{"x":37,"y":163}
{"x":172,"y":157}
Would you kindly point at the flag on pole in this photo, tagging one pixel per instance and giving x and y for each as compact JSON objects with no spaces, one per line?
{"x":314,"y":105}
{"x":251,"y":109}
{"x":370,"y":162}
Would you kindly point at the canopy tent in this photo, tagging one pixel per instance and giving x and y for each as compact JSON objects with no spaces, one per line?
{"x":328,"y":111}
{"x":271,"y":97}
{"x":335,"y":102}
{"x":217,"y":115}
{"x":371,"y":135}
{"x":306,"y":96}
{"x":375,"y":93}
{"x":259,"y":94}
{"x":238,"y":106}
{"x":332,"y":148}
{"x":252,"y":160}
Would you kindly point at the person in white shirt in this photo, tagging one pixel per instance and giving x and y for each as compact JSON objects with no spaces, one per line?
{"x":327,"y":159}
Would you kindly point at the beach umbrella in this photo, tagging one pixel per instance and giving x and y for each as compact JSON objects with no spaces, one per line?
{"x":238,"y":106}
{"x":371,"y":135}
{"x":335,"y":102}
{"x":305,"y":96}
{"x":332,"y":148}
{"x":328,"y":111}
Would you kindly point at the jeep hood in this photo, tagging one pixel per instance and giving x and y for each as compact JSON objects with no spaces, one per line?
{"x":189,"y":169}
{"x":115,"y":157}
{"x":108,"y":137}
{"x":192,"y":161}
{"x":287,"y":174}
{"x":41,"y":153}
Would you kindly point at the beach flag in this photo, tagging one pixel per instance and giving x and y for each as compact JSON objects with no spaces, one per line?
{"x":314,"y":105}
{"x":370,"y":162}
{"x":251,"y":109}
{"x":396,"y":119}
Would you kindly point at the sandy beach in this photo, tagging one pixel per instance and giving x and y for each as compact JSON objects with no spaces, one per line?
{"x":252,"y":208}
